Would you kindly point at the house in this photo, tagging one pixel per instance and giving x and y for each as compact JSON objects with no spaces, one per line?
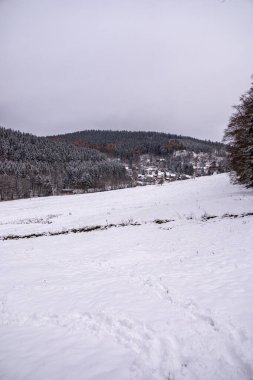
{"x":67,"y":191}
{"x":151,"y":170}
{"x":171,"y":176}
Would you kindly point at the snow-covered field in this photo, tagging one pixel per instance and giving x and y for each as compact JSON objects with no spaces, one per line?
{"x":170,"y":300}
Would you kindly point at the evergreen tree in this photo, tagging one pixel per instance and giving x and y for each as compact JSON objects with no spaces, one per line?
{"x":239,"y":136}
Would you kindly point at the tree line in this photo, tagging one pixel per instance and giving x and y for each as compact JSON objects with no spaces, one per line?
{"x":129,"y":146}
{"x":37,"y":166}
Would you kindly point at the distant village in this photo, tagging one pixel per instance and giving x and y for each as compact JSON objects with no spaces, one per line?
{"x":185,"y":165}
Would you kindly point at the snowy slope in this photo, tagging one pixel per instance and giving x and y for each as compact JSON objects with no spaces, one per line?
{"x":148,"y":301}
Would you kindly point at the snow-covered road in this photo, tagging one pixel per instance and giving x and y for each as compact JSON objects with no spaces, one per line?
{"x":151,"y":301}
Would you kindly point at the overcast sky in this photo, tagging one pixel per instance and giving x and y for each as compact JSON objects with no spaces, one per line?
{"x":165,"y":65}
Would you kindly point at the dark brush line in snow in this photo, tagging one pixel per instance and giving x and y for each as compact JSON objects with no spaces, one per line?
{"x":238,"y":215}
{"x":162,"y":221}
{"x":112,"y":225}
{"x":231,"y":216}
{"x":72,"y":230}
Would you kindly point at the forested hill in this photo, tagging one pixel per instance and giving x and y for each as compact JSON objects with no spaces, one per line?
{"x":91,"y":159}
{"x":125,"y":144}
{"x":34,"y":166}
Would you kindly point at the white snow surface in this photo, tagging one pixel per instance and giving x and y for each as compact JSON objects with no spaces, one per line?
{"x":164,"y":301}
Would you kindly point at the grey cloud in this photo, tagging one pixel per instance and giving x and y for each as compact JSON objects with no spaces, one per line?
{"x":166,"y":65}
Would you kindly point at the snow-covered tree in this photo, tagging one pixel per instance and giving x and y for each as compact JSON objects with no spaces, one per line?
{"x":239,"y":136}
